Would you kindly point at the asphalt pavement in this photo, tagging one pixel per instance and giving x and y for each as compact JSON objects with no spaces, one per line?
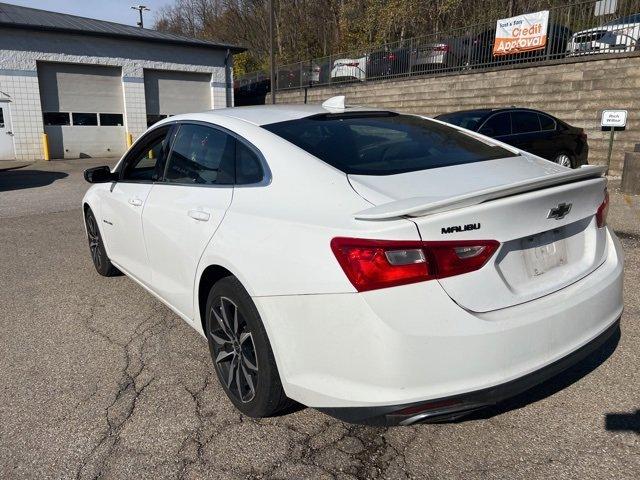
{"x":100,"y":380}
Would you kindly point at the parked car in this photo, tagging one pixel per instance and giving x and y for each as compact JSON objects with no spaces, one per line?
{"x":384,"y":268}
{"x":444,"y":55}
{"x":481,"y":51}
{"x":530,"y":130}
{"x":288,"y":78}
{"x":349,"y":69}
{"x":387,"y":62}
{"x":620,"y":35}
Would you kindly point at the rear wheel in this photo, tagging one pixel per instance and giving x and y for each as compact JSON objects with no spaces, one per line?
{"x":96,"y":247}
{"x":241,"y":352}
{"x":564,"y":160}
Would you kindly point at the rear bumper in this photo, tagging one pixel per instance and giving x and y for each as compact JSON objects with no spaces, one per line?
{"x":387,"y":349}
{"x":451,"y":408}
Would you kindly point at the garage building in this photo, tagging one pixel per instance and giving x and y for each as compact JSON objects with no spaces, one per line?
{"x":93,"y":86}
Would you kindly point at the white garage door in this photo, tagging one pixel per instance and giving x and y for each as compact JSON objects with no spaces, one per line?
{"x":82,"y":108}
{"x":170,"y":93}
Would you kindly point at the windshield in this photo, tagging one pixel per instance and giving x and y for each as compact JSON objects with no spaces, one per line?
{"x":383,"y":143}
{"x":630,"y":19}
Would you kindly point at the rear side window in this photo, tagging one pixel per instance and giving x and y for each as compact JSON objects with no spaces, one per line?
{"x":498,"y":125}
{"x":525,"y":122}
{"x":546,"y":123}
{"x":201,"y":155}
{"x":248,"y":166}
{"x":381,"y":143}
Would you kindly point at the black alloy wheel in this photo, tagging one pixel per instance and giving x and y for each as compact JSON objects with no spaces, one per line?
{"x":96,"y":247}
{"x":241,"y":352}
{"x":234,"y":350}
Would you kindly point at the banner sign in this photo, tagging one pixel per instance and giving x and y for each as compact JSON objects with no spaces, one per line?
{"x":523,"y":33}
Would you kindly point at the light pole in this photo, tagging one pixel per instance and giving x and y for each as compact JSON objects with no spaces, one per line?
{"x":140,"y":8}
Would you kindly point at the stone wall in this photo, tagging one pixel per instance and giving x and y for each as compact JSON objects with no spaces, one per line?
{"x":575,"y":92}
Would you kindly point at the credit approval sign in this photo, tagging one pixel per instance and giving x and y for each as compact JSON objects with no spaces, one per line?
{"x":523,"y":33}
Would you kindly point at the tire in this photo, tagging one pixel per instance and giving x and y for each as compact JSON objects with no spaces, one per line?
{"x":565,"y":160}
{"x":96,"y":247}
{"x":241,"y":353}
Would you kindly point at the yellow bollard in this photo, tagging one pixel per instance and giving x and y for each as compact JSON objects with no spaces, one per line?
{"x":45,"y":147}
{"x":129,"y":140}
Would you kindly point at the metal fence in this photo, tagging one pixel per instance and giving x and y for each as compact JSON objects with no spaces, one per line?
{"x":578,"y":29}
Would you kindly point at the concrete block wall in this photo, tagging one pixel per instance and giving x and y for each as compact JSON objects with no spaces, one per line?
{"x":21,"y":86}
{"x":135,"y":109}
{"x":575,"y":92}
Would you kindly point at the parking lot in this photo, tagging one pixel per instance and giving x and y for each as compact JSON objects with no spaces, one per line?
{"x":100,"y":380}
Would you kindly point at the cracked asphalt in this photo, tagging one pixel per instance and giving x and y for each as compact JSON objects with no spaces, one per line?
{"x":100,"y":380}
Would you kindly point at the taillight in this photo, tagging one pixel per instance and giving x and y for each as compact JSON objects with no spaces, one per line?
{"x":603,"y":211}
{"x":373,"y":264}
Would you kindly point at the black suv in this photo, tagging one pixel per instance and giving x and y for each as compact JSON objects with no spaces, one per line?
{"x":530,"y":130}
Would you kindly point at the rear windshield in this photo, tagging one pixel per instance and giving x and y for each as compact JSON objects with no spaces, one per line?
{"x":384,"y":143}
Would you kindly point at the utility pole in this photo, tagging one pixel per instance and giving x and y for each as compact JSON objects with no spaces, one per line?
{"x":272,"y":56}
{"x":511,"y":4}
{"x":140,"y":8}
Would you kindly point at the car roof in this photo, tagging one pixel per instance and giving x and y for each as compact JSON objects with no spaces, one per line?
{"x":487,"y":111}
{"x":266,"y":114}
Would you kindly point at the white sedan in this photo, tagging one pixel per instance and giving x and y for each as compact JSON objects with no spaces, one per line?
{"x":616,"y":36}
{"x":381,"y":267}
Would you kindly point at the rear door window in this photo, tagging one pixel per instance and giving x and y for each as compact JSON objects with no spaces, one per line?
{"x":201,"y":155}
{"x":525,"y":122}
{"x":384,"y":143}
{"x":498,"y":125}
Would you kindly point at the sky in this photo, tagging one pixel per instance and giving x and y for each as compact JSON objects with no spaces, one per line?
{"x":112,"y":10}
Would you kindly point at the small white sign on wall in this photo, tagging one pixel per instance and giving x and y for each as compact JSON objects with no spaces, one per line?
{"x":614,"y":118}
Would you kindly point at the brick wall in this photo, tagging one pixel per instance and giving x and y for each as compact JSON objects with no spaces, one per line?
{"x":575,"y":92}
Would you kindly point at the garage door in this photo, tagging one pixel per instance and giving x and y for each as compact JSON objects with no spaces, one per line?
{"x":82,"y":108}
{"x":170,"y":93}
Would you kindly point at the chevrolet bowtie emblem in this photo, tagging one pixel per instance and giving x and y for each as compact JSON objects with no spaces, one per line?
{"x":559,"y":212}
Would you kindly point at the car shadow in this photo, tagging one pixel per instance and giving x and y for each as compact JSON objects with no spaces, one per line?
{"x":623,"y":422}
{"x":22,"y":179}
{"x":554,"y":385}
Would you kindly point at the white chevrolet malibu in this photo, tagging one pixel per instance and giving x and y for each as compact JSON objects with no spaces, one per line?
{"x":381,"y":267}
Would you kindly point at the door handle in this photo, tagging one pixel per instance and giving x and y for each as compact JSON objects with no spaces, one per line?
{"x":136,"y":202}
{"x":199,"y":215}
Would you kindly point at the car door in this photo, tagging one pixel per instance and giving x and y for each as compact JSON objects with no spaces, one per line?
{"x":184,"y":210}
{"x":497,"y":126}
{"x":525,"y":132}
{"x":125,"y":201}
{"x":551,"y":142}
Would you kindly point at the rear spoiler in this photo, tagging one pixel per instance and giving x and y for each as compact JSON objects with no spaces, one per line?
{"x":421,"y":206}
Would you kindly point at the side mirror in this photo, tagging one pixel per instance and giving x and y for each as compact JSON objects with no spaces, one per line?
{"x":100,"y":175}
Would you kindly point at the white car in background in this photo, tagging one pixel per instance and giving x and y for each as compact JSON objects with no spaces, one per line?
{"x":620,"y":35}
{"x":381,"y":267}
{"x":349,"y":69}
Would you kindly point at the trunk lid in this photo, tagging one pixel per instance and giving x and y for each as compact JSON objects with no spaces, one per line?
{"x":537,"y":256}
